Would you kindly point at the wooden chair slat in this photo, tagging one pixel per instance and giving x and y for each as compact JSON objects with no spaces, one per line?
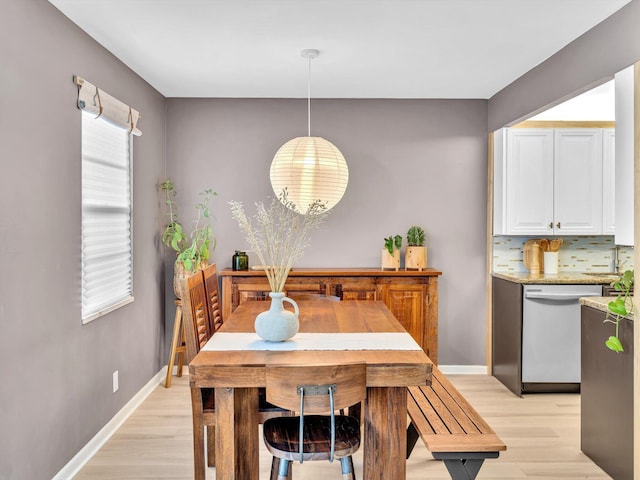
{"x":210,"y":276}
{"x":282,"y":381}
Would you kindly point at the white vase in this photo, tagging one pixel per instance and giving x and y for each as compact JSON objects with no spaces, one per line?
{"x":278,"y":324}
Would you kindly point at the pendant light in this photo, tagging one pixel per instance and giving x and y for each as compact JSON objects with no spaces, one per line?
{"x":310,"y":168}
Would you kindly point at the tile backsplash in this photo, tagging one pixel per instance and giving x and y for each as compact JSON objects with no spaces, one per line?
{"x":577,"y":254}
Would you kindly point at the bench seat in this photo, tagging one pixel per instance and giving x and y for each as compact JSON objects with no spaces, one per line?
{"x":451,"y":429}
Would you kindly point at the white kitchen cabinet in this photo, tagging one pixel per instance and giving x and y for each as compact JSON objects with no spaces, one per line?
{"x":548,"y":181}
{"x":529,"y":181}
{"x":609,"y":181}
{"x":577,"y":183}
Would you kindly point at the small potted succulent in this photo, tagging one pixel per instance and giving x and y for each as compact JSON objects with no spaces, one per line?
{"x":391,"y":252}
{"x":415,"y":256}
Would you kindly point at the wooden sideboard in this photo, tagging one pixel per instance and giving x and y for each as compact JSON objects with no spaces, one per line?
{"x":411,"y":295}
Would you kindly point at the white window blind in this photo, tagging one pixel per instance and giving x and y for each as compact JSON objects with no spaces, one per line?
{"x":107,"y":273}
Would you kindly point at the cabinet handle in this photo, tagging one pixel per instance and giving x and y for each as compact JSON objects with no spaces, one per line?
{"x":550,"y":224}
{"x":558,"y":225}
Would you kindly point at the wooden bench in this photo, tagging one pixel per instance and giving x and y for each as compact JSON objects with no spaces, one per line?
{"x":451,"y":429}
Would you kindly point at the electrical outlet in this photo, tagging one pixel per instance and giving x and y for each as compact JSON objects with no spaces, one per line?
{"x":115,"y":381}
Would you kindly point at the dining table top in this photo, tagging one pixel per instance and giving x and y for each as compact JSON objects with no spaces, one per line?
{"x":366,"y":322}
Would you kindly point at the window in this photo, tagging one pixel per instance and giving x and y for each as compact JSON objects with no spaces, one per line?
{"x":107,"y":273}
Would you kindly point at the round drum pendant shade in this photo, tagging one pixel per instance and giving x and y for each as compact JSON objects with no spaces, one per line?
{"x":310,"y":168}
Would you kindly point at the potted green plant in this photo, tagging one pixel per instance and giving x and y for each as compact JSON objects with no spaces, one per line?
{"x":620,"y":308}
{"x":390,"y":257}
{"x":193,"y":250}
{"x":415,"y":256}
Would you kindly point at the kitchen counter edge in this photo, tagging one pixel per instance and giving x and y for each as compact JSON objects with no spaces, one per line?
{"x":564,"y":278}
{"x":601,"y":303}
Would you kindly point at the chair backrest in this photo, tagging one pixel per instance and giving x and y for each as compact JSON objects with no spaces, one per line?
{"x":210,"y":274}
{"x":282,"y":382}
{"x":298,"y":297}
{"x":195,"y":314}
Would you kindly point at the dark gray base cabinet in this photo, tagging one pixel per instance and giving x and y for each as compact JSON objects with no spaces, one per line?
{"x":606,"y":432}
{"x":506,"y":333}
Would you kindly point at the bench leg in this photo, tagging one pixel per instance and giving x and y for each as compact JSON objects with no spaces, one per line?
{"x":463,"y":469}
{"x":464,"y":466}
{"x":412,"y":438}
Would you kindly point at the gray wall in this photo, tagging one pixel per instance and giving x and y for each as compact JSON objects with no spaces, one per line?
{"x":586,"y":62}
{"x":55,"y":385}
{"x":410,"y":162}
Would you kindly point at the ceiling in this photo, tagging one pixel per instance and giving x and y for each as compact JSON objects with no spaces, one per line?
{"x":368,"y":48}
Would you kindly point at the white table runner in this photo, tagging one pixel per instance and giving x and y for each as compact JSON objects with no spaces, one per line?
{"x":223,"y":341}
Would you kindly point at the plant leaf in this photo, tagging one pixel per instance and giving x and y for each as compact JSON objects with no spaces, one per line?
{"x":618,"y":307}
{"x":388,"y":243}
{"x":613,"y":343}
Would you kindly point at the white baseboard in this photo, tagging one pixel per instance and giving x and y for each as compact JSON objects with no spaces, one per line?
{"x":463,"y":369}
{"x":91,"y":448}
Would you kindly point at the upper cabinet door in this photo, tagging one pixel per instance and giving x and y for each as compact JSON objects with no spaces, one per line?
{"x":578,"y":181}
{"x":529,"y":181}
{"x":608,"y":181}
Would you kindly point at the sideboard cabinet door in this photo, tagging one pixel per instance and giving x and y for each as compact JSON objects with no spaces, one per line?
{"x":407,"y":303}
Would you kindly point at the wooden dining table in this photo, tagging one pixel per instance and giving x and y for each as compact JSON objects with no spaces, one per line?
{"x":234,"y":361}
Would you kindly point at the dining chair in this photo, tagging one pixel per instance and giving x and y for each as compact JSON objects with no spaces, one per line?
{"x":312,"y":390}
{"x":195,"y":318}
{"x":354,"y":410}
{"x":311,"y":296}
{"x":198,"y":330}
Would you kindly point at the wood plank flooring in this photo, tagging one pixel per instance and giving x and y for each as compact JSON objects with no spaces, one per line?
{"x":542,"y":433}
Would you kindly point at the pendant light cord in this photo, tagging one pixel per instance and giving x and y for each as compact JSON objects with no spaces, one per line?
{"x":309,"y":98}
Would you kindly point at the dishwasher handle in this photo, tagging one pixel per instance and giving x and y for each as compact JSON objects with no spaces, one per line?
{"x":558,"y":296}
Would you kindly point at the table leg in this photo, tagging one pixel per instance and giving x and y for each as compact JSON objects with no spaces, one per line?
{"x":237,"y":442}
{"x":385,"y":433}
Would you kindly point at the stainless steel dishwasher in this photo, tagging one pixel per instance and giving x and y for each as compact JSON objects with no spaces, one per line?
{"x":551,"y":336}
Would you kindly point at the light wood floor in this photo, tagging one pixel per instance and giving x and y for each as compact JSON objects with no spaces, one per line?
{"x":542,"y":433}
